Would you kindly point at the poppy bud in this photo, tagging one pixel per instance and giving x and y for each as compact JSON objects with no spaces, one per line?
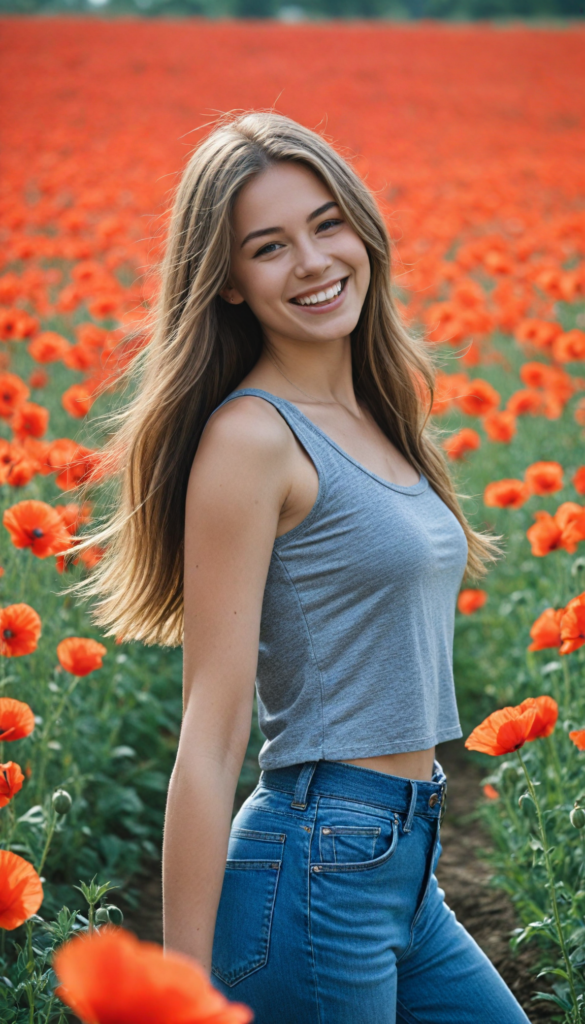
{"x":102,"y":916}
{"x":115,"y":914}
{"x":61,"y":801}
{"x":577,"y":817}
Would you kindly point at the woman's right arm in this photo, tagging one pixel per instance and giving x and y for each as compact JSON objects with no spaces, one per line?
{"x":238,"y":484}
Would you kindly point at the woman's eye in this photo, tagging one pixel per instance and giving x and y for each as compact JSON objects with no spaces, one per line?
{"x":332,"y":223}
{"x":268,"y":248}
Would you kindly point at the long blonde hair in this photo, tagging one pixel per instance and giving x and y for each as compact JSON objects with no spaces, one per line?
{"x":201,"y":347}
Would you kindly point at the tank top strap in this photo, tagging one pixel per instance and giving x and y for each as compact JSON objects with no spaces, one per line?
{"x":309,"y":436}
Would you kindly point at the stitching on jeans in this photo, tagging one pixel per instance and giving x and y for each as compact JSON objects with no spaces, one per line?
{"x":409,"y":1016}
{"x":315,"y":983}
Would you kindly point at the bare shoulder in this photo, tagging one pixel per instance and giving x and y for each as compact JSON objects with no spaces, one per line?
{"x":245,"y":445}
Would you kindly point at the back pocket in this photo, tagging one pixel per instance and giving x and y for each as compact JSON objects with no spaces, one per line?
{"x":241,"y":941}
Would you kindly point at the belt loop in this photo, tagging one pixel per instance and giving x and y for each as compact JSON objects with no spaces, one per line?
{"x":302,"y":787}
{"x":412,"y":808}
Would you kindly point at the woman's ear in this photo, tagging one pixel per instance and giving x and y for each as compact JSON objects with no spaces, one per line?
{"x":232,"y":295}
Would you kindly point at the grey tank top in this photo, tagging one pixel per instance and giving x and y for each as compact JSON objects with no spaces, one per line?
{"x":356,"y":635}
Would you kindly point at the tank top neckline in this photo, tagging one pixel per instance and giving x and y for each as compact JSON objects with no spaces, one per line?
{"x":417,"y":488}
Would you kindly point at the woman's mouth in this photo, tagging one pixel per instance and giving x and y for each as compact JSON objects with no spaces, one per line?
{"x":321,"y":299}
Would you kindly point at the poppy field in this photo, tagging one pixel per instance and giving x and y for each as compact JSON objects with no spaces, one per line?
{"x":472,"y":138}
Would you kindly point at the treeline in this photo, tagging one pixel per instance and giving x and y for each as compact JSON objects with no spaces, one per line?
{"x":299,"y":10}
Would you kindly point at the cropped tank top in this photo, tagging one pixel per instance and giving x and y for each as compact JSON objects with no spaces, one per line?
{"x":356,"y":637}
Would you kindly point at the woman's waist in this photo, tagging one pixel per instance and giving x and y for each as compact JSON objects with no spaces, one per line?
{"x":362,"y":784}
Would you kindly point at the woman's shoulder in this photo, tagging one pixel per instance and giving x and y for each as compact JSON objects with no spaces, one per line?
{"x":246,"y":433}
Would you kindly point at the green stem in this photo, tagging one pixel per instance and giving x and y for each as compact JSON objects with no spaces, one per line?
{"x":47,"y":733}
{"x":567,"y":676}
{"x":50,"y":833}
{"x":551,"y":880}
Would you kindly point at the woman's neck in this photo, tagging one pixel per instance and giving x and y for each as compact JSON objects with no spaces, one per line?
{"x":318,"y":374}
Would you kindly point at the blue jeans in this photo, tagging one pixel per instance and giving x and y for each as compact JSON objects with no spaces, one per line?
{"x":330,"y":911}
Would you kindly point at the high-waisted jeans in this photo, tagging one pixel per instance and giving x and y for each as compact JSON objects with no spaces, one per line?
{"x":330,"y":911}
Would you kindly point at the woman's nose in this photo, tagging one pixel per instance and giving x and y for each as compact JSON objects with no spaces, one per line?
{"x":311,"y":260}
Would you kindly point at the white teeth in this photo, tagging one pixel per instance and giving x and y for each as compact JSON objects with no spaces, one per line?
{"x":326,"y":296}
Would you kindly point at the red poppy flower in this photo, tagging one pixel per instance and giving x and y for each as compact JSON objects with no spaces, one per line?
{"x":506,"y":494}
{"x":479,"y":398}
{"x":503,"y":731}
{"x":35,"y":525}
{"x":13,"y":392}
{"x":48,"y":347}
{"x":16,"y":719}
{"x":30,"y":420}
{"x":21,"y":891}
{"x":80,"y":655}
{"x":546,"y":630}
{"x":545,"y":535}
{"x":573,"y":625}
{"x":500,"y":425}
{"x":544,"y":477}
{"x":11,"y":780}
{"x":471,"y":600}
{"x":578,"y":738}
{"x":20,"y":629}
{"x":464,"y":440}
{"x":547,"y":713}
{"x":77,"y":400}
{"x":145,"y":984}
{"x":491,"y":792}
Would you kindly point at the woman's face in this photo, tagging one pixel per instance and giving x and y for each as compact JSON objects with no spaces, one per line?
{"x":298,"y":264}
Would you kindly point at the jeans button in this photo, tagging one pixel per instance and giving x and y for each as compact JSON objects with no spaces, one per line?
{"x":433,"y":799}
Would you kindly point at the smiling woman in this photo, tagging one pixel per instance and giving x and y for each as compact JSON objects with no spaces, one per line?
{"x":287,"y":514}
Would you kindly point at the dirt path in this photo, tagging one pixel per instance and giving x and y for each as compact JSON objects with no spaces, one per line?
{"x":486,"y":912}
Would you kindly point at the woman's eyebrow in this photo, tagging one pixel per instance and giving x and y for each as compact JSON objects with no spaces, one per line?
{"x":273,"y":231}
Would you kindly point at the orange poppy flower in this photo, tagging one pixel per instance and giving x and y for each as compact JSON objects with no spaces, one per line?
{"x":20,"y":629}
{"x":92,"y":555}
{"x":491,"y":792}
{"x":503,"y":731}
{"x":547,"y":713}
{"x":80,"y":655}
{"x":13,"y":392}
{"x":74,"y":515}
{"x":545,"y":535}
{"x":479,"y":399}
{"x":21,"y":891}
{"x":38,"y":379}
{"x":544,"y":477}
{"x":578,"y":738}
{"x":145,"y":984}
{"x":77,"y":400}
{"x":573,"y":625}
{"x":30,"y":420}
{"x":571,"y":519}
{"x":525,"y":401}
{"x":506,"y":494}
{"x":500,"y":425}
{"x":16,"y":719}
{"x":579,"y":480}
{"x":470,"y":601}
{"x":11,"y":780}
{"x":48,"y":347}
{"x":569,"y":347}
{"x":465,"y":440}
{"x":546,"y":630}
{"x":35,"y":525}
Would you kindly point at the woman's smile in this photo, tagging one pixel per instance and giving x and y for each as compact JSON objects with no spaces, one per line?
{"x":322,"y":299}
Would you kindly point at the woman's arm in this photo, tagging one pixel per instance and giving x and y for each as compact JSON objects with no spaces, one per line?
{"x":239,"y":482}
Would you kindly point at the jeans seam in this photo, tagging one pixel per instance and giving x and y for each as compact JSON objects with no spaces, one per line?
{"x":409,"y":1014}
{"x":315,"y":982}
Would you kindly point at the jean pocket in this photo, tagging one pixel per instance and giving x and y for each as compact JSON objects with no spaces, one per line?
{"x":356,"y":847}
{"x":241,"y":940}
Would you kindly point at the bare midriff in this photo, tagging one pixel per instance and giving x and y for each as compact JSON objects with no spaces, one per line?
{"x":416,"y":764}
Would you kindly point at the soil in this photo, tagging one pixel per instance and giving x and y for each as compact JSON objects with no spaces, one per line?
{"x":486,"y":912}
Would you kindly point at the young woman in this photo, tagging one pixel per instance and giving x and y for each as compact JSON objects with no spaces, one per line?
{"x":284,"y":496}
